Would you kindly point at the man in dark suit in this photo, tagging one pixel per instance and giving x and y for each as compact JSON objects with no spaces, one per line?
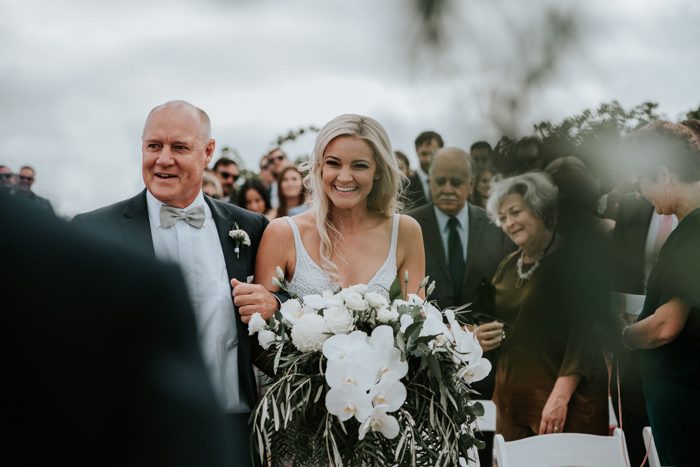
{"x":418,"y":191}
{"x":462,"y":249}
{"x":482,"y":244}
{"x":102,"y":365}
{"x":173,"y":221}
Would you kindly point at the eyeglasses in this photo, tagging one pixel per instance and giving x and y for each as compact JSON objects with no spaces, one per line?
{"x":226,"y":175}
{"x":26,"y":178}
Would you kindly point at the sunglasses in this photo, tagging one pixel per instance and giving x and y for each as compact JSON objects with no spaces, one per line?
{"x":279,"y":158}
{"x":25,"y":178}
{"x":6,"y":176}
{"x":226,"y":175}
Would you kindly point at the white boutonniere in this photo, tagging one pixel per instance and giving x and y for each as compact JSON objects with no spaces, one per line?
{"x":240,"y":237}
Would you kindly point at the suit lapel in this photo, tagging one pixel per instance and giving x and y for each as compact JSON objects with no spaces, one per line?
{"x":135,"y":225}
{"x":235,"y":266}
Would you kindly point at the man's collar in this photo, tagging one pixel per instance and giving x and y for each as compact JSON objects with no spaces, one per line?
{"x":462,"y":216}
{"x":154,"y":205}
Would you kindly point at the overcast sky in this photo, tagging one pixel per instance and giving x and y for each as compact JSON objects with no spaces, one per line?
{"x":78,"y":77}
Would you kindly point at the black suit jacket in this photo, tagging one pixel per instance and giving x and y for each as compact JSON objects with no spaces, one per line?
{"x":413,"y":195}
{"x":629,"y":239}
{"x":126,"y":222}
{"x":101,"y":360}
{"x":486,"y":247}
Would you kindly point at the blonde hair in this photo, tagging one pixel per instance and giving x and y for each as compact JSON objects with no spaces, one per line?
{"x":382,"y":199}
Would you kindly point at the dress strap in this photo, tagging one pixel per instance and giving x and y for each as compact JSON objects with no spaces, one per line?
{"x":394,"y":235}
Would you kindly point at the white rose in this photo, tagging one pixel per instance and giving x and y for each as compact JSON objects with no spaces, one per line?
{"x":359,"y":288}
{"x":308,"y":334}
{"x":339,"y":319}
{"x":317,"y":302}
{"x":387,"y":315}
{"x":376,"y":300}
{"x":354,"y":301}
{"x":256,"y":324}
{"x":266,"y":338}
{"x":291,"y":311}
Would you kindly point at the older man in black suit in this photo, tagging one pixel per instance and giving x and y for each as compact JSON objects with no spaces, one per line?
{"x":101,"y":362}
{"x":174,"y":221}
{"x":462,"y":247}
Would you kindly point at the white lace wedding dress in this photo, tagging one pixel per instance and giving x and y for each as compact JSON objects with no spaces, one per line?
{"x":309,"y":278}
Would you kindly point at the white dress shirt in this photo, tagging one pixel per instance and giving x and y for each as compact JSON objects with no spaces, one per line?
{"x":201,"y":259}
{"x":425,"y":181}
{"x":463,"y":229}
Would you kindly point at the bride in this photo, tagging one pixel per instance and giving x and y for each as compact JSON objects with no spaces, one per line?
{"x":352,"y":233}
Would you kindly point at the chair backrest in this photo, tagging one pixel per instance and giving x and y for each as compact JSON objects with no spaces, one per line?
{"x":653,"y":456}
{"x":487,"y":422}
{"x":563,"y":449}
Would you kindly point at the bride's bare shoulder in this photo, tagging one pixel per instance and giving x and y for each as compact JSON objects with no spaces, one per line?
{"x":409,"y":229}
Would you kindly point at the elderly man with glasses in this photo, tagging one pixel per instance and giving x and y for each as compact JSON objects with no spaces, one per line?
{"x":25,"y":180}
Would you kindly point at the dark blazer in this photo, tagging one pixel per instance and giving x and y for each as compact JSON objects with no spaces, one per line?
{"x":126,"y":222}
{"x":101,"y":360}
{"x":629,"y":239}
{"x":413,"y":195}
{"x":486,"y":247}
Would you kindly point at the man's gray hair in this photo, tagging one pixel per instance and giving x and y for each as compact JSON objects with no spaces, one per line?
{"x":537,"y":190}
{"x":464,"y":155}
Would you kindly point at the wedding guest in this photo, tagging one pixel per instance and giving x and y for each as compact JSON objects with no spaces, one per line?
{"x":173,"y":221}
{"x":254,"y":196}
{"x":418,"y":192}
{"x":100,"y":360}
{"x":528,"y":155}
{"x":211,"y":185}
{"x":404,"y":164}
{"x":667,"y":334}
{"x":227,"y":171}
{"x":462,"y":250}
{"x":352,"y":233}
{"x":579,"y":191}
{"x":481,"y":153}
{"x":551,"y":375}
{"x":292,"y":192}
{"x":485,"y":177}
{"x":25,"y":180}
{"x":7,"y":178}
{"x":276,"y":160}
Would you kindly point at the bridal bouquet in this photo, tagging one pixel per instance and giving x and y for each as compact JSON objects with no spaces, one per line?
{"x":359,"y":379}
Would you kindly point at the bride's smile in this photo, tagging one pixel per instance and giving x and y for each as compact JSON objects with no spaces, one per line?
{"x":348,"y":172}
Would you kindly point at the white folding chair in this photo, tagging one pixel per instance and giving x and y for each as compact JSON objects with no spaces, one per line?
{"x":487,"y":422}
{"x":563,"y":449}
{"x":652,"y":454}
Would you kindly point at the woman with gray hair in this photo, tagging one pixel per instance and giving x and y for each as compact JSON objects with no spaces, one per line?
{"x":352,"y":233}
{"x":551,"y":375}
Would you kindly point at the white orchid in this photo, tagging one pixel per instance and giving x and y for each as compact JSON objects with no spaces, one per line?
{"x":476,"y":371}
{"x":347,"y":401}
{"x":380,"y":421}
{"x":393,"y":368}
{"x":391,"y":394}
{"x":347,"y":346}
{"x":359,"y":373}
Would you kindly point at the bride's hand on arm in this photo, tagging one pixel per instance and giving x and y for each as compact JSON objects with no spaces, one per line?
{"x":275,"y":246}
{"x":411,"y":254}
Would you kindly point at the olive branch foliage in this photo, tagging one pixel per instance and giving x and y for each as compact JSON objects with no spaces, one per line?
{"x":291,"y":425}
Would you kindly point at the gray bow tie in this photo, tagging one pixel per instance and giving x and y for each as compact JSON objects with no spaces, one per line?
{"x":169,"y":215}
